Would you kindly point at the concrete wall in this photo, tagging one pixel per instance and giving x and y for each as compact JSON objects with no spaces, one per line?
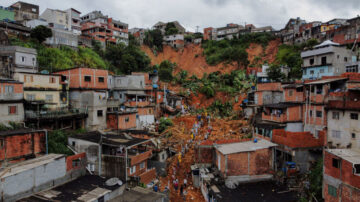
{"x":91,"y":149}
{"x":62,"y":37}
{"x":294,"y":127}
{"x":55,"y":16}
{"x":339,"y":131}
{"x":6,"y":117}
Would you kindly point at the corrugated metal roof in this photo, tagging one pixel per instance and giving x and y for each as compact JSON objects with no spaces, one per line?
{"x":350,"y":155}
{"x":244,"y":146}
{"x":324,"y":81}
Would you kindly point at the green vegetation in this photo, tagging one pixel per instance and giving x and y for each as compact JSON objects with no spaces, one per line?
{"x":164,"y":124}
{"x":165,"y":70}
{"x":40,"y":33}
{"x":171,"y":29}
{"x":11,"y":126}
{"x":153,"y":39}
{"x":313,"y":187}
{"x":233,"y":50}
{"x":126,"y":59}
{"x":221,"y":109}
{"x":290,"y":56}
{"x":274,"y":73}
{"x":57,"y":142}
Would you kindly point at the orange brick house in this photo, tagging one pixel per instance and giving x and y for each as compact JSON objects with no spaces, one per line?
{"x":341,"y":181}
{"x":121,"y":120}
{"x":22,"y":144}
{"x":88,"y":90}
{"x":249,"y":158}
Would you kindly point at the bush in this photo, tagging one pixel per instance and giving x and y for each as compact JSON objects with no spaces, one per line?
{"x":57,"y":142}
{"x":153,"y":39}
{"x":40,"y":33}
{"x":164,"y":124}
{"x":165,"y":70}
{"x":221,"y":109}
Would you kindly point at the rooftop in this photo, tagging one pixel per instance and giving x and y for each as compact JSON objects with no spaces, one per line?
{"x":110,"y":139}
{"x":85,"y":188}
{"x":350,"y":155}
{"x":18,"y":131}
{"x":139,"y":194}
{"x":244,"y":146}
{"x":326,"y":43}
{"x":325,"y":81}
{"x":30,"y":164}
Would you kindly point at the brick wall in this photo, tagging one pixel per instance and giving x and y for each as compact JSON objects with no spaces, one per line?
{"x":74,"y":166}
{"x":204,"y":154}
{"x":313,"y":119}
{"x":148,"y":176}
{"x":269,"y":87}
{"x":328,"y":168}
{"x":115,"y":121}
{"x":19,"y":146}
{"x":297,"y":139}
{"x":76,"y":78}
{"x":291,"y":95}
{"x":140,"y":158}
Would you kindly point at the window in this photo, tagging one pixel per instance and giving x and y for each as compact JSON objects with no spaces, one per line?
{"x":336,"y":163}
{"x":12,"y":110}
{"x":354,"y":116}
{"x":310,"y":113}
{"x":99,"y":113}
{"x":335,"y":115}
{"x":142,"y":165}
{"x":312,"y":72}
{"x":336,"y":134}
{"x":52,"y":80}
{"x":290,"y":92}
{"x":323,"y":60}
{"x":319,"y":90}
{"x":162,"y":156}
{"x":76,"y":163}
{"x":353,"y":68}
{"x":353,"y":135}
{"x":318,"y":114}
{"x":2,"y":143}
{"x":304,"y":72}
{"x":345,"y":59}
{"x":30,"y":97}
{"x":311,"y":61}
{"x":127,"y":119}
{"x":9,"y":89}
{"x":132,"y":170}
{"x":87,"y":78}
{"x":332,"y":191}
{"x":356,"y":168}
{"x":322,"y":70}
{"x":49,"y":98}
{"x":23,"y":59}
{"x":73,"y":143}
{"x":101,"y":79}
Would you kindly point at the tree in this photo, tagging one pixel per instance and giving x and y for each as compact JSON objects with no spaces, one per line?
{"x":239,"y":55}
{"x":57,"y":142}
{"x":165,"y":71}
{"x":40,"y":33}
{"x":171,"y":29}
{"x":274,"y":73}
{"x":154,"y":39}
{"x":164,"y":124}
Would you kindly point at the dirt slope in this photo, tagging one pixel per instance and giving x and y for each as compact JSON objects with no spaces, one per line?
{"x":190,"y":58}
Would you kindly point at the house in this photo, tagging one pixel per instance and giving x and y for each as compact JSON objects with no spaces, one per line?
{"x":31,"y":176}
{"x":243,"y":158}
{"x":7,"y":14}
{"x":263,"y":29}
{"x":103,"y":29}
{"x":15,"y":29}
{"x":36,"y":22}
{"x":61,"y":37}
{"x":229,"y":31}
{"x":25,"y":11}
{"x":208,"y":33}
{"x":21,"y":144}
{"x":326,"y":59}
{"x":122,"y":119}
{"x":161,"y":26}
{"x":88,"y":90}
{"x":291,"y":31}
{"x":11,"y":101}
{"x":175,"y":41}
{"x":122,"y":155}
{"x":341,"y":181}
{"x":17,"y":59}
{"x":139,"y":34}
{"x":57,"y":18}
{"x":74,"y":21}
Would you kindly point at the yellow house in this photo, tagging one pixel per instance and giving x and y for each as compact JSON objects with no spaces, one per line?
{"x":326,"y":27}
{"x":45,"y":89}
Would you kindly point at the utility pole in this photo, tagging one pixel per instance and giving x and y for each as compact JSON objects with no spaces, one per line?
{"x":197,"y":29}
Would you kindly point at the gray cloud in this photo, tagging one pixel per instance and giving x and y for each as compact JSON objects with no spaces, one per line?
{"x":205,"y":13}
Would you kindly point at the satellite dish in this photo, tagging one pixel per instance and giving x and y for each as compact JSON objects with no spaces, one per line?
{"x":112,"y":181}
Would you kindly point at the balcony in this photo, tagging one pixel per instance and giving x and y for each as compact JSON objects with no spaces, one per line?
{"x":57,"y":113}
{"x":279,"y":118}
{"x":137,"y":103}
{"x":11,"y":96}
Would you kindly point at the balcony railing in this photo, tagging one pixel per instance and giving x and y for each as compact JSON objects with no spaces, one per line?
{"x":59,"y":112}
{"x":274,"y":117}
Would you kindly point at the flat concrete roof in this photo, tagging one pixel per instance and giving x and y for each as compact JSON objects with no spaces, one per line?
{"x":29,"y":164}
{"x":139,"y":194}
{"x":244,"y":146}
{"x":325,"y":81}
{"x":350,"y":155}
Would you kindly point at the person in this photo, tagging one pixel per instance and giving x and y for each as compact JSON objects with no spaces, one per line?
{"x":181,"y":190}
{"x":184,"y":194}
{"x":199,"y":117}
{"x":185,"y":182}
{"x":176,"y":184}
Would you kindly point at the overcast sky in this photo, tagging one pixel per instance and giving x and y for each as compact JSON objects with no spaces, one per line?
{"x":206,"y":13}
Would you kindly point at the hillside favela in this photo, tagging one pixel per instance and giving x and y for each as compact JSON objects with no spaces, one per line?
{"x":171,"y":101}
